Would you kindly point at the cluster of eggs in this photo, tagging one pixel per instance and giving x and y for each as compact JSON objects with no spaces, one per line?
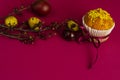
{"x":70,"y":32}
{"x":42,"y":8}
{"x":33,"y":22}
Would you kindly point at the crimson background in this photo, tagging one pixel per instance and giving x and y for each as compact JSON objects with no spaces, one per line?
{"x":56,"y":59}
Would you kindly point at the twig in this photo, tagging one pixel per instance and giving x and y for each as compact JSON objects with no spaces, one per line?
{"x":10,"y":36}
{"x":19,"y":10}
{"x":16,"y":12}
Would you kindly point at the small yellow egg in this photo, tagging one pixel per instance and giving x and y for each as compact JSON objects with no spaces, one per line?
{"x":34,"y":22}
{"x":11,"y":21}
{"x":72,"y":25}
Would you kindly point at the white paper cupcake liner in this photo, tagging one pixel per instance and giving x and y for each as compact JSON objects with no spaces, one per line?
{"x":95,"y":32}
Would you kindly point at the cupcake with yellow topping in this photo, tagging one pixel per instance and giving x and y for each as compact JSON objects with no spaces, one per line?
{"x":98,"y":23}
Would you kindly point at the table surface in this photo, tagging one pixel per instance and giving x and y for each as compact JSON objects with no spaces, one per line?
{"x":55,"y":58}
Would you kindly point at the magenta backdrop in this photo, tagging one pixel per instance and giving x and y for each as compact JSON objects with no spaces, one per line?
{"x":56,"y":59}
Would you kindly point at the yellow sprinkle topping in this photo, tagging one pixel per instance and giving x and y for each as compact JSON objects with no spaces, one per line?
{"x":99,"y":19}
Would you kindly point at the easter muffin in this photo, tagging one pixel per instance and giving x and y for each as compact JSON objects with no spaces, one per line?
{"x":98,"y":23}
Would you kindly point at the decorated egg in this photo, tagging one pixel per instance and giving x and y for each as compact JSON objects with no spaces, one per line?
{"x":11,"y":21}
{"x":41,"y":7}
{"x":34,"y":23}
{"x":72,"y":25}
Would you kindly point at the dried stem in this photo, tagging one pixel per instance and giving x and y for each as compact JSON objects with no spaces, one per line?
{"x":25,"y":30}
{"x":8,"y":35}
{"x":19,"y":10}
{"x":16,"y":11}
